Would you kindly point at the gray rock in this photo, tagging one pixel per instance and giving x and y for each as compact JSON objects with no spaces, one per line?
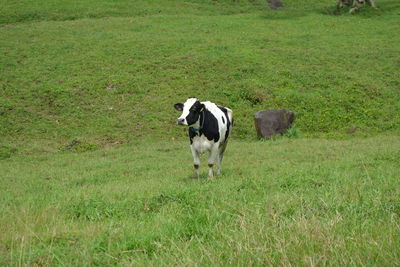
{"x":272,"y":122}
{"x":274,"y":4}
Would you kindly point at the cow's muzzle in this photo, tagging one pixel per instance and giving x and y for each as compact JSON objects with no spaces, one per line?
{"x":180,"y":121}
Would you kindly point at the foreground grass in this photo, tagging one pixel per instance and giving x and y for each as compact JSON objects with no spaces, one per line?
{"x":283,"y":202}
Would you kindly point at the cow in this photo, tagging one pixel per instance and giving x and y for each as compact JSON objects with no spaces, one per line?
{"x":209,"y":128}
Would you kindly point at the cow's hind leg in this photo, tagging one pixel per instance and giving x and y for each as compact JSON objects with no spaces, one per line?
{"x":196,"y":162}
{"x":211,"y":160}
{"x":372,"y":2}
{"x":220,"y":157}
{"x":352,"y":10}
{"x":339,"y":4}
{"x":219,"y":160}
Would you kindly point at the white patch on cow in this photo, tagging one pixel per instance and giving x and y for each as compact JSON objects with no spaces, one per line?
{"x":201,"y":144}
{"x":186,"y":109}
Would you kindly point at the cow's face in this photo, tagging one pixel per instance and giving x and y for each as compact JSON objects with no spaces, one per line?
{"x":190,"y":111}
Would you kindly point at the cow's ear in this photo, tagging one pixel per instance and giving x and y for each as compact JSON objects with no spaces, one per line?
{"x":178,"y":106}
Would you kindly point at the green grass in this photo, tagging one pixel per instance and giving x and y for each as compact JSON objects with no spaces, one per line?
{"x":286,"y":202}
{"x":94,"y":171}
{"x":110,"y":73}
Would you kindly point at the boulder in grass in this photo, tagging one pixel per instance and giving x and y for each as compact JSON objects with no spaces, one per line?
{"x":274,"y":4}
{"x":272,"y":122}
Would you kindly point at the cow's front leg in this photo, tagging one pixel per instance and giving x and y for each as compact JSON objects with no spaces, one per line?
{"x":211,"y":160}
{"x":196,"y":162}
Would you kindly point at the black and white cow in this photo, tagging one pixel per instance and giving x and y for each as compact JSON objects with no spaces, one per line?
{"x":209,"y":128}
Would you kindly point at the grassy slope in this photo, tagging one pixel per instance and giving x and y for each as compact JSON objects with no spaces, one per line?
{"x":30,"y":10}
{"x":288,"y":202}
{"x":109,"y":73}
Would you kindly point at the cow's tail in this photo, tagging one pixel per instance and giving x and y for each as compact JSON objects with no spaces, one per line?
{"x":229,"y":113}
{"x":230,"y":116}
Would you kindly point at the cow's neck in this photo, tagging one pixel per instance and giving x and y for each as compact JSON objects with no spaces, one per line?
{"x":198,"y":126}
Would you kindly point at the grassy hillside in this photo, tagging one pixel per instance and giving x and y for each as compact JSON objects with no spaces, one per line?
{"x":303,"y":202}
{"x":61,"y":10}
{"x":108,"y":72}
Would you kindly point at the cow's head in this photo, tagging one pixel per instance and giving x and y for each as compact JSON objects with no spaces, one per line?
{"x":190,"y":111}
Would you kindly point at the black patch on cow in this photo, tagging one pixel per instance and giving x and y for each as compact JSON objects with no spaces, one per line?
{"x":228,"y":125}
{"x":223,"y":120}
{"x":194,"y":113}
{"x":210,"y":126}
{"x":192,"y":134}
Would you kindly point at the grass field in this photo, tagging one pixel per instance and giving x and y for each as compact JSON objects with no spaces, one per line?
{"x":302,"y":202}
{"x":93,"y":171}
